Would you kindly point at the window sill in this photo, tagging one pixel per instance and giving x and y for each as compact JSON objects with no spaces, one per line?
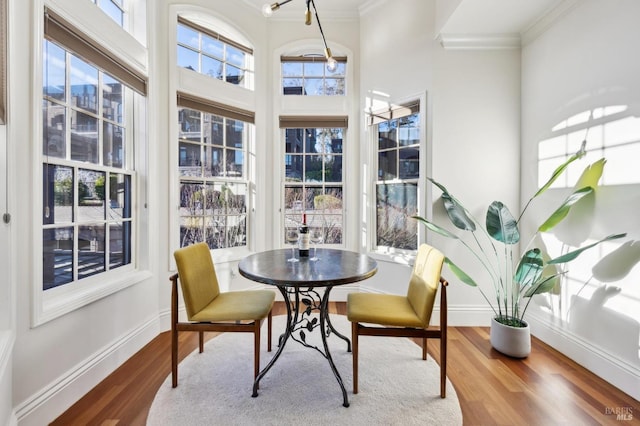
{"x":51,"y":306}
{"x":399,"y":257}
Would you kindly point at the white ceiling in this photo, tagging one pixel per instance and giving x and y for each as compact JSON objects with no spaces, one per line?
{"x":478,"y":17}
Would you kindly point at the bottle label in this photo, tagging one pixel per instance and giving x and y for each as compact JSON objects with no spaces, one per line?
{"x":304,"y":244}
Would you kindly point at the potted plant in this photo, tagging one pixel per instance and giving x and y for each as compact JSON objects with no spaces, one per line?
{"x":496,"y":246}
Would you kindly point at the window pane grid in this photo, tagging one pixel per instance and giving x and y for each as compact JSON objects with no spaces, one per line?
{"x":87,"y":215}
{"x":308,"y":78}
{"x":212,"y":57}
{"x":398,"y":174}
{"x":213,"y":186}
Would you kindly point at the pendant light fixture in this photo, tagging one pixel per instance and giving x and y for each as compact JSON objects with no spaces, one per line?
{"x":268,"y":9}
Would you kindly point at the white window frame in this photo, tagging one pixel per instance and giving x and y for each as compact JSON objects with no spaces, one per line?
{"x":424,"y":194}
{"x":55,"y":302}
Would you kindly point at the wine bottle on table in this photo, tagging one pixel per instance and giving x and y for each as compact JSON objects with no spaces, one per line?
{"x":303,"y":249}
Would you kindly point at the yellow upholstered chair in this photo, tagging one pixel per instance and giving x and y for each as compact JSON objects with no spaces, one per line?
{"x":404,"y":316}
{"x":208,"y":309}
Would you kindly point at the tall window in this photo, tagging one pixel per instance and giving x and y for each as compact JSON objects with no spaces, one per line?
{"x":309,"y":76}
{"x":314,"y":177}
{"x":398,"y":150}
{"x":207,"y":52}
{"x":113,"y":8}
{"x":212,"y":144}
{"x":87,"y":176}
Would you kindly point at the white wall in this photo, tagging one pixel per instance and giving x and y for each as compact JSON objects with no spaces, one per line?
{"x":588,"y":60}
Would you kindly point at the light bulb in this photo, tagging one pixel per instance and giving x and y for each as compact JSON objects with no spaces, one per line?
{"x":332,"y":64}
{"x":267,"y":9}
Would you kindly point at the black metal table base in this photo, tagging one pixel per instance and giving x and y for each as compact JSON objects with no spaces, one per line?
{"x":298,"y":323}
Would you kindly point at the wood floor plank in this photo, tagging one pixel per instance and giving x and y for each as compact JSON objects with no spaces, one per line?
{"x":546,"y":388}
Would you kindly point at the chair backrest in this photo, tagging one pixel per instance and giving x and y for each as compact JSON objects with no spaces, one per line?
{"x":424,"y":282}
{"x":197,"y":277}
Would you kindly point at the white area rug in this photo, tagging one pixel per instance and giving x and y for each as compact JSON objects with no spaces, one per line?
{"x":396,"y":386}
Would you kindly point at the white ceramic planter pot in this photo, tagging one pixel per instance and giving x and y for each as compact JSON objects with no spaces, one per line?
{"x":512,"y":341}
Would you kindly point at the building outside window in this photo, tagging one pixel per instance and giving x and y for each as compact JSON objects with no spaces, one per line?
{"x":314,"y":178}
{"x":308,"y":76}
{"x":87,"y":174}
{"x":207,"y":52}
{"x":213,"y":175}
{"x":398,"y":174}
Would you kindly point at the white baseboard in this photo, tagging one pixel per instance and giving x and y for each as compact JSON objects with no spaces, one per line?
{"x":52,"y":400}
{"x":619,"y":373}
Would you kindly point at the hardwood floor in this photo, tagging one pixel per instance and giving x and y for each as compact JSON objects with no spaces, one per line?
{"x":544,"y":389}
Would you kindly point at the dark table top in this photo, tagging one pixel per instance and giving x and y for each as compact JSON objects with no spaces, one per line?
{"x":335,"y":267}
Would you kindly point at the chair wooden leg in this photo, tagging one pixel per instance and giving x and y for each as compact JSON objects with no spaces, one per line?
{"x":256,"y":348}
{"x":354,"y":354}
{"x":174,"y":357}
{"x":201,"y":340}
{"x":424,"y":348}
{"x":443,"y":364}
{"x":269,"y":322}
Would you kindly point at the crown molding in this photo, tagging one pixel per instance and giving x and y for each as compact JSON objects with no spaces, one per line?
{"x":546,"y":20}
{"x":479,"y":41}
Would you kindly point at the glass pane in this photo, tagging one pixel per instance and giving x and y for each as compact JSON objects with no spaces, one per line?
{"x":191,"y":230}
{"x":212,"y":47}
{"x":119,"y":244}
{"x":409,"y":163}
{"x":112,"y":101}
{"x":54,"y":133}
{"x":294,"y":205}
{"x":292,"y":86}
{"x":84,"y":137}
{"x":235,"y":133}
{"x":314,"y":69}
{"x":191,"y":199}
{"x":188,"y":37}
{"x":313,"y":86}
{"x":334,"y":86}
{"x":213,"y":161}
{"x":91,"y":195}
{"x":234,"y":75}
{"x":57,"y":257}
{"x":216,"y":128}
{"x":189,"y":162}
{"x":53,"y":76}
{"x":190,"y":123}
{"x":294,"y":140}
{"x":235,"y":56}
{"x":91,"y":250}
{"x":188,"y":59}
{"x":293,"y":168}
{"x":235,"y":163}
{"x":113,"y":145}
{"x":119,"y":196}
{"x":57,"y":193}
{"x":113,"y":11}
{"x":387,"y":168}
{"x":212,"y":67}
{"x":84,"y":85}
{"x":387,"y":134}
{"x":395,"y":205}
{"x":333,"y":168}
{"x":313,"y":168}
{"x":291,"y":69}
{"x":409,"y":130}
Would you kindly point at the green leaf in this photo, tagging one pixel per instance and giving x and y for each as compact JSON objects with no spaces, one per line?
{"x":501,"y":224}
{"x":591,"y":174}
{"x":558,"y":171}
{"x":572,"y":255}
{"x":544,"y":285}
{"x":435,"y":228}
{"x":460,"y":273}
{"x":563,"y":210}
{"x":458,"y":214}
{"x":530,"y":268}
